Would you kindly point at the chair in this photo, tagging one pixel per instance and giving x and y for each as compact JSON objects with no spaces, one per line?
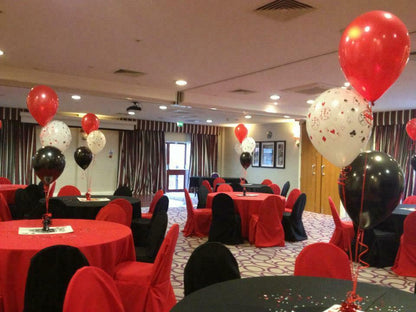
{"x":323,"y":260}
{"x":4,"y":180}
{"x":216,"y":181}
{"x":208,"y":264}
{"x":344,"y":230}
{"x":113,"y":213}
{"x":285,"y":189}
{"x":410,"y":200}
{"x":48,"y":276}
{"x":5,"y":214}
{"x":405,"y":262}
{"x":149,"y":249}
{"x":155,"y":199}
{"x":147,"y":286}
{"x":291,"y":199}
{"x":207,"y":185}
{"x":140,"y":227}
{"x":265,"y":228}
{"x":91,"y":288}
{"x":202,"y":196}
{"x":128,"y":208}
{"x":275,"y":188}
{"x":198,"y":221}
{"x":27,"y":200}
{"x":226,"y":223}
{"x":224,"y":188}
{"x":292,"y":222}
{"x":123,"y":191}
{"x":237,"y":187}
{"x":267,"y":182}
{"x":69,"y":190}
{"x":265,"y":189}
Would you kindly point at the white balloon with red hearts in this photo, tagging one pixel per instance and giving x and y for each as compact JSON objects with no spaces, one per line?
{"x":339,"y":124}
{"x":96,"y":141}
{"x":57,"y":134}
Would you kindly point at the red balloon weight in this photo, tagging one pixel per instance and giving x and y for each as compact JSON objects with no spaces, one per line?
{"x":411,"y":128}
{"x":42,"y":103}
{"x":373,"y":52}
{"x":90,"y":123}
{"x":240,"y":132}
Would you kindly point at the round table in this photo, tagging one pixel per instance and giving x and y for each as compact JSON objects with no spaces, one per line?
{"x":77,"y":207}
{"x":105,"y":244}
{"x":291,"y":293}
{"x":9,"y":190}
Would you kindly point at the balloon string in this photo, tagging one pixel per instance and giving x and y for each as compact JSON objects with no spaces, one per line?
{"x":372,"y":103}
{"x":89,"y":175}
{"x":46,"y":190}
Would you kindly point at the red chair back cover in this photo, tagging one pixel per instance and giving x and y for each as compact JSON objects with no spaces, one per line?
{"x":224,"y":188}
{"x":267,"y":182}
{"x":69,"y":190}
{"x":323,"y":260}
{"x":207,"y":185}
{"x":4,"y":180}
{"x":335,"y":215}
{"x":344,"y":231}
{"x":275,"y":188}
{"x":113,"y":213}
{"x":292,"y":197}
{"x":405,"y":263}
{"x":410,"y":200}
{"x":5,"y":214}
{"x":198,"y":221}
{"x":128,"y":208}
{"x":91,"y":288}
{"x":216,"y":181}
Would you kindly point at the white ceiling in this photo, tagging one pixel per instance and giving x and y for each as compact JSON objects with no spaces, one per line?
{"x":217,"y":46}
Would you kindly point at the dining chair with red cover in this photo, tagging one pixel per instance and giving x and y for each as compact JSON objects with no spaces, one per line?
{"x":5,"y":214}
{"x":410,"y":200}
{"x":291,"y":199}
{"x":267,"y":182}
{"x":113,"y":213}
{"x":147,"y":287}
{"x":405,"y":262}
{"x":198,"y":221}
{"x":344,"y":230}
{"x":224,"y":188}
{"x":4,"y":180}
{"x":91,"y":288}
{"x":128,"y":208}
{"x":156,"y":197}
{"x":69,"y":190}
{"x":275,"y":188}
{"x":216,"y":181}
{"x":265,"y":228}
{"x":323,"y":260}
{"x":207,"y":185}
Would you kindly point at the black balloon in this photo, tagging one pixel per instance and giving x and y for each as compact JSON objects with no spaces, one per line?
{"x":413,"y":161}
{"x":83,"y":157}
{"x":245,"y":160}
{"x":48,"y":163}
{"x":383,"y":187}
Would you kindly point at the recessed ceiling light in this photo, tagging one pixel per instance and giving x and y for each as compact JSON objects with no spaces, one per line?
{"x":1,"y":52}
{"x":209,"y":121}
{"x":346,"y":84}
{"x":213,"y":108}
{"x":163,"y":107}
{"x":274,"y":97}
{"x":247,"y":116}
{"x":275,"y":103}
{"x":310,"y":101}
{"x":286,"y":116}
{"x":181,"y":82}
{"x":76,"y":97}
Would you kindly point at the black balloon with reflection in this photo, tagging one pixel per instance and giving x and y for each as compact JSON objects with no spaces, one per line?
{"x":383,"y":182}
{"x":48,"y":163}
{"x":413,"y":161}
{"x":245,"y":159}
{"x":83,"y":157}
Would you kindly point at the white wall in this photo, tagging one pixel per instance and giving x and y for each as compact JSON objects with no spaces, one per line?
{"x":230,"y":163}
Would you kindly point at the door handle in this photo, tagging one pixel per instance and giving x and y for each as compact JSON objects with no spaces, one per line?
{"x":313,"y":169}
{"x":323,"y":170}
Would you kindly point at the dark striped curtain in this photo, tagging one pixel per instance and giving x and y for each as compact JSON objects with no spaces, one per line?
{"x":390,"y":137}
{"x":204,"y":154}
{"x":142,"y":161}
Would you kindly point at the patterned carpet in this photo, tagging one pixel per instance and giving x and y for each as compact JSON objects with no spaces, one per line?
{"x":269,"y":261}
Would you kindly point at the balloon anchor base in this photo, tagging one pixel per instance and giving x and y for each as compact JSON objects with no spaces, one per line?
{"x":46,"y":222}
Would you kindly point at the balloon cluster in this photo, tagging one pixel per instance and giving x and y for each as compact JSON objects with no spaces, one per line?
{"x":246,"y":146}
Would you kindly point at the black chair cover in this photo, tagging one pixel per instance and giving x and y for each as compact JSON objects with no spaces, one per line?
{"x":123,"y":191}
{"x":237,"y":187}
{"x":154,"y":238}
{"x":226,"y":224}
{"x":140,"y":227}
{"x":202,"y":196}
{"x":56,"y":207}
{"x":285,"y":189}
{"x":208,"y":264}
{"x":49,"y":273}
{"x":292,"y":221}
{"x":27,"y":201}
{"x":265,"y":189}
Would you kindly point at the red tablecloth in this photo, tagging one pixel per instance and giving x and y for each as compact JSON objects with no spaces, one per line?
{"x":8,"y":191}
{"x":105,"y":244}
{"x":244,"y":205}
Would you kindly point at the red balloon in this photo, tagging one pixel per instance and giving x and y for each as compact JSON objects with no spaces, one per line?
{"x":90,"y":123}
{"x":240,"y":132}
{"x":373,"y":52}
{"x":42,"y":103}
{"x":411,"y":128}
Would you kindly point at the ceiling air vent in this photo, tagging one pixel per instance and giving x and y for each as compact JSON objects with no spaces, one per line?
{"x":128,"y":72}
{"x":284,"y":10}
{"x":242,"y":91}
{"x":310,"y":89}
